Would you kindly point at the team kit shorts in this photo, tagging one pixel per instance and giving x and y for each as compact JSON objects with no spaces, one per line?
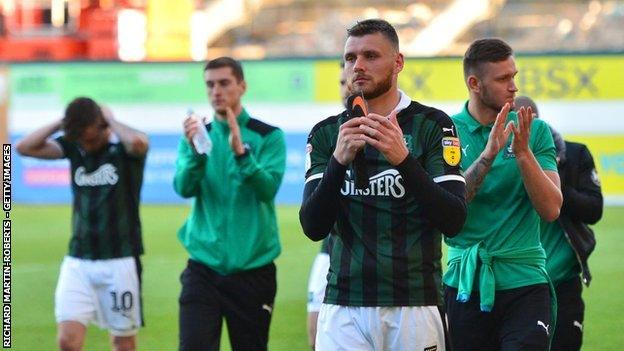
{"x":317,"y":282}
{"x":104,"y":292}
{"x":351,"y":328}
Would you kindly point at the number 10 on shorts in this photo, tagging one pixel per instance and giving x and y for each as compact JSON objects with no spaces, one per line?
{"x":121,"y":302}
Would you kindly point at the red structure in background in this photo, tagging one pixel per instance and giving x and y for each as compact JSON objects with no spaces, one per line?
{"x":77,"y":30}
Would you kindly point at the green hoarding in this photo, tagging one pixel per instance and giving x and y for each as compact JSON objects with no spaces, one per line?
{"x":154,"y":83}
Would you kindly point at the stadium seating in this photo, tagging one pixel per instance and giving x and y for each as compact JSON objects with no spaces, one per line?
{"x":303,"y":28}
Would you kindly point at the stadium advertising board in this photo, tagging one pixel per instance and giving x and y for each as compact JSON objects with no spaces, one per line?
{"x":578,"y":95}
{"x":45,"y":181}
{"x":152,"y":83}
{"x":541,"y":77}
{"x":608,"y":152}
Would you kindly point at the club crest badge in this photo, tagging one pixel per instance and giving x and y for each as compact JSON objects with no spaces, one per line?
{"x":508,"y":153}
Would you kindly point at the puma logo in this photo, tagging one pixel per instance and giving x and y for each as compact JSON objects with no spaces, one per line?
{"x":464,"y":149}
{"x":578,"y":325}
{"x":444,"y":130}
{"x":545,"y":326}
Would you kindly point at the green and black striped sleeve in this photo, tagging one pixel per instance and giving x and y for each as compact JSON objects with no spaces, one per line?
{"x":324,"y":177}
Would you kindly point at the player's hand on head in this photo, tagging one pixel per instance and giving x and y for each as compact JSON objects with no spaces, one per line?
{"x":385,"y":135}
{"x":499,"y":133}
{"x":349,"y":141}
{"x":522,"y":132}
{"x":235,"y":140}
{"x":107,"y":113}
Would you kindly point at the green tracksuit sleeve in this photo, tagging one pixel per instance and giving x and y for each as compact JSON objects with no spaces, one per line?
{"x":265,"y":168}
{"x":189,"y":170}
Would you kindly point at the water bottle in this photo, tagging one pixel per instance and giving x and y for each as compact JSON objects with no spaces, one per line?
{"x":201,"y":139}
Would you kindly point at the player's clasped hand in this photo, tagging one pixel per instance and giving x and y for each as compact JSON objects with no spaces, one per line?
{"x":350,"y":140}
{"x":522,"y":132}
{"x":385,"y":135}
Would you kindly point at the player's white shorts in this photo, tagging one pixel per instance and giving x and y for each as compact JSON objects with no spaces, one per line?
{"x":349,"y":328}
{"x":317,"y":282}
{"x":104,"y":292}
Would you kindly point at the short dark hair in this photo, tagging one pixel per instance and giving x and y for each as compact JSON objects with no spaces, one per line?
{"x":226,"y":61}
{"x":482,"y":51}
{"x":81,"y":113}
{"x":372,"y":26}
{"x":525,"y":101}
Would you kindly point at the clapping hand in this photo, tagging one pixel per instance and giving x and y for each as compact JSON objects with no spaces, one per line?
{"x":499,"y":134}
{"x":385,"y":135}
{"x":235,"y":138}
{"x":522,"y":132}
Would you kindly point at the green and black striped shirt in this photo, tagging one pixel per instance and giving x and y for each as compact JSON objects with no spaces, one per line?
{"x":106,"y":189}
{"x":385,"y":251}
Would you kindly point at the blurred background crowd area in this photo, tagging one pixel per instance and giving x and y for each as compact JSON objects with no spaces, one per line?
{"x":144,"y":58}
{"x":185,"y":30}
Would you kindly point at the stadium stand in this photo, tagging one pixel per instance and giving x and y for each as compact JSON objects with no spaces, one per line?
{"x":316,"y":28}
{"x":299,"y":28}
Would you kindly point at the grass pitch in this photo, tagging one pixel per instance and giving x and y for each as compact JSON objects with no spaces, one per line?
{"x":41,"y":235}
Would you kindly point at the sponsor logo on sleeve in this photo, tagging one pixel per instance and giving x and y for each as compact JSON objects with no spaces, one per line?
{"x":451,"y":151}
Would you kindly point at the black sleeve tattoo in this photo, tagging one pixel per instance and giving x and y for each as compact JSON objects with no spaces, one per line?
{"x":475,"y":175}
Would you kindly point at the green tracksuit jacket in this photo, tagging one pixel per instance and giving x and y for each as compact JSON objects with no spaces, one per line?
{"x":232,"y":226}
